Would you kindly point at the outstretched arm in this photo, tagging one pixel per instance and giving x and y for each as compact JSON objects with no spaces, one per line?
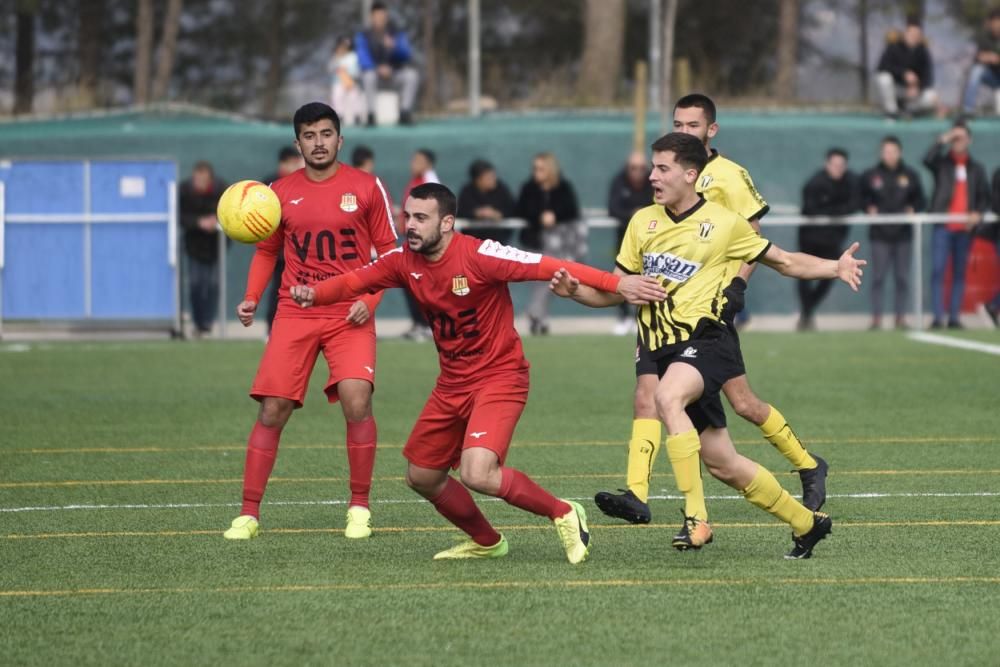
{"x":380,"y":274}
{"x":809,"y":267}
{"x":637,"y":290}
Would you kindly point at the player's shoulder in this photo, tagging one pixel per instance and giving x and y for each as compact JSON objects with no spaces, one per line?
{"x":288,"y":182}
{"x":358,"y":177}
{"x":720,"y":164}
{"x":719,"y":213}
{"x":649,"y":213}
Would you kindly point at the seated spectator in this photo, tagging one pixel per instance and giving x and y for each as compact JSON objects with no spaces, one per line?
{"x":630,"y":190}
{"x":385,"y":58}
{"x":550,"y":208}
{"x":905,"y":75}
{"x":485,"y":199}
{"x":345,"y":95}
{"x":199,"y":197}
{"x":363,"y":158}
{"x":960,"y":188}
{"x":985,"y":70}
{"x":832,"y":191}
{"x":891,"y":187}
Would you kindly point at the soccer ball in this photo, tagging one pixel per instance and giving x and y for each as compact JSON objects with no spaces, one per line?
{"x":249,"y":211}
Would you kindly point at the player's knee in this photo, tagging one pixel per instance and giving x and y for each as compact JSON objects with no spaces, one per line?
{"x":422,"y":483}
{"x":479,"y":479}
{"x":644,"y":403}
{"x":274,"y":412}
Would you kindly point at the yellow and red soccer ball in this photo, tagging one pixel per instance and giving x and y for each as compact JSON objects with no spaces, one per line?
{"x":249,"y":211}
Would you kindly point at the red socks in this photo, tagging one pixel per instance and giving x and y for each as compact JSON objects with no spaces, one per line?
{"x":517,"y":489}
{"x":361,"y":437}
{"x":262,"y":448}
{"x":456,"y":504}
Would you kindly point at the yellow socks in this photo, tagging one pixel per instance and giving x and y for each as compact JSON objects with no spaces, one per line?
{"x":765,"y":492}
{"x":683,"y":451}
{"x":642,"y":449}
{"x":777,"y":431}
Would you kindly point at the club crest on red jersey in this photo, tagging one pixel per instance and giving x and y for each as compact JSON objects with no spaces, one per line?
{"x":349,"y":203}
{"x":460,"y":285}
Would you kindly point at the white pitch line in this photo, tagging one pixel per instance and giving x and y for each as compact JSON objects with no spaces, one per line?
{"x":308,"y":503}
{"x":948,"y":341}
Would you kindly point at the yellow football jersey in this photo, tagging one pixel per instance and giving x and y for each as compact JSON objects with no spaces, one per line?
{"x":691,"y":255}
{"x":724,"y":182}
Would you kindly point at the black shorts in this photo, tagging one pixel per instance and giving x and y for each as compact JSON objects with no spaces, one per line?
{"x":714,"y":352}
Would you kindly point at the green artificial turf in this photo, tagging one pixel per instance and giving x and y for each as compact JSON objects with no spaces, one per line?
{"x":149,"y":438}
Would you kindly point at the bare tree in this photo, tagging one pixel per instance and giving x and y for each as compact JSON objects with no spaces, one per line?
{"x":429,"y":16}
{"x":603,"y":50}
{"x":275,"y":55}
{"x":89,"y":42}
{"x":667,"y":63}
{"x":143,"y":51}
{"x":788,"y":46}
{"x":24,"y":78}
{"x":863,"y":48}
{"x":168,"y":49}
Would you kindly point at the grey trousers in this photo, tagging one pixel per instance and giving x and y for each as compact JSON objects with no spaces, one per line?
{"x":563,"y":241}
{"x":892,"y":256}
{"x":406,"y":79}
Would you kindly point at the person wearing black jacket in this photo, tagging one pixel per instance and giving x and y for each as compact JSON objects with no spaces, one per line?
{"x":992,"y":231}
{"x":832,"y":191}
{"x":483,"y":200}
{"x":905,"y":73}
{"x":891,"y":187}
{"x":199,"y":197}
{"x":551,"y":212}
{"x":960,"y":188}
{"x":630,"y":190}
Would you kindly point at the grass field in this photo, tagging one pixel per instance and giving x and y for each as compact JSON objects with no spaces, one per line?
{"x":120,"y":466}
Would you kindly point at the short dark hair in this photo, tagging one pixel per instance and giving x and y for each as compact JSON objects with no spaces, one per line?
{"x":445,"y":198}
{"x":379,"y":6}
{"x":994,"y":14}
{"x":307,"y":114}
{"x":429,"y":154}
{"x":914,"y":21}
{"x":687,"y":149}
{"x":287,"y":153}
{"x":479,"y":167}
{"x":836,"y":150}
{"x":360,"y":155}
{"x":960,"y":124}
{"x":698,"y":101}
{"x":892,"y":139}
{"x":203,"y":165}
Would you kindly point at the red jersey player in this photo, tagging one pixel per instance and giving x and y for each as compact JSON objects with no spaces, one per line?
{"x":461,"y":284}
{"x":332,"y":216}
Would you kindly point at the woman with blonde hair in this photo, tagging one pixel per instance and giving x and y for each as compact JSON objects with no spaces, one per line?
{"x":549,"y":205}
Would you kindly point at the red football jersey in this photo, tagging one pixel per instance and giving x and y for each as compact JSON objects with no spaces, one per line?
{"x":327,"y":228}
{"x":465,"y":299}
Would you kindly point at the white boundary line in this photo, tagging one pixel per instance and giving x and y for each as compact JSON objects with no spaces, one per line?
{"x":299,"y":503}
{"x":948,"y":341}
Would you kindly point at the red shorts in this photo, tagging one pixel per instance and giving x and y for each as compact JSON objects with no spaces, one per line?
{"x":452,"y":422}
{"x":294,"y":346}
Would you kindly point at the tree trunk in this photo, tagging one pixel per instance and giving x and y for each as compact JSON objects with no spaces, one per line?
{"x":143,"y":52}
{"x":275,"y":51}
{"x":603,"y":50}
{"x":24,"y":80}
{"x":429,"y":84}
{"x":788,"y":46}
{"x":667,"y":63}
{"x":89,"y":42}
{"x":863,"y":49}
{"x":168,"y":49}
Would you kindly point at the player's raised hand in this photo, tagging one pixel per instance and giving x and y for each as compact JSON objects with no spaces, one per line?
{"x":641,"y":290}
{"x":849,"y":268}
{"x":564,"y":284}
{"x":303,"y":295}
{"x":245,"y":312}
{"x":359,"y":313}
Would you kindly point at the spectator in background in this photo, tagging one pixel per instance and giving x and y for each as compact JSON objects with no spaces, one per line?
{"x":551,"y":212}
{"x":483,"y":200}
{"x":891,"y":187}
{"x":385,"y":58}
{"x":345,"y":73}
{"x":199,"y":196}
{"x":993,"y":231}
{"x":289,"y":160}
{"x":905,"y":75}
{"x":960,"y":187}
{"x":421,"y":171}
{"x":986,"y":66}
{"x":363,"y":158}
{"x":832,"y":191}
{"x":630,"y":190}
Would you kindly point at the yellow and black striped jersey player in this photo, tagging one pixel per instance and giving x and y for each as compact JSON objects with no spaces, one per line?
{"x":695,"y":246}
{"x":726,"y":183}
